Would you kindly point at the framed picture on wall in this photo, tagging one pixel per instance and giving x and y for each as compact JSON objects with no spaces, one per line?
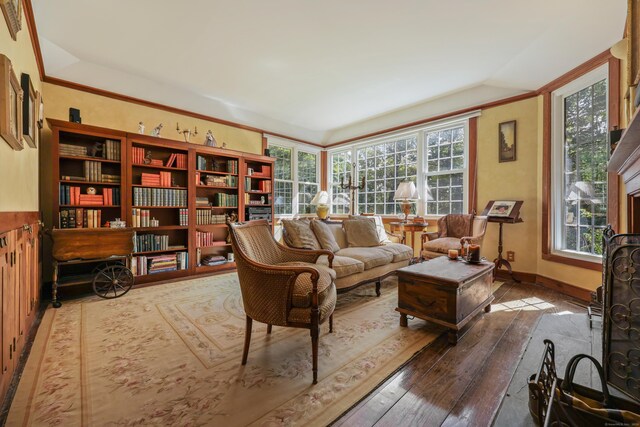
{"x":29,"y":111}
{"x":40,"y":108}
{"x":10,"y":105}
{"x":12,"y":11}
{"x":507,"y":141}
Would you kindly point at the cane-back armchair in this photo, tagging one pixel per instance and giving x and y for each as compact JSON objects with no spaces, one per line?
{"x":282,"y":286}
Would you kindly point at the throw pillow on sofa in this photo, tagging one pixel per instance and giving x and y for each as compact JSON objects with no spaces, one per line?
{"x":325,"y":236}
{"x":382,"y":233}
{"x":361,"y":233}
{"x":298,"y":234}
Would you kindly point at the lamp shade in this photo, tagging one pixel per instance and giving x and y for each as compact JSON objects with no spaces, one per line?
{"x":406,"y":191}
{"x":321,"y":198}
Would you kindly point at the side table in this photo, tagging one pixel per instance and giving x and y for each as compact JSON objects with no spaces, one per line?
{"x":411,"y":227}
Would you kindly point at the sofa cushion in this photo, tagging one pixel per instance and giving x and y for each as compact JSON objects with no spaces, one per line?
{"x":382,"y":233}
{"x":442,"y":245}
{"x":298,"y":234}
{"x":325,"y":236}
{"x":371,"y":257}
{"x":399,"y":251}
{"x":342,"y":265}
{"x":361,"y":233}
{"x":301,"y":294}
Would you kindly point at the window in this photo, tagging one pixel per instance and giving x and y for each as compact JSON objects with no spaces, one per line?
{"x":296,"y":183}
{"x":579,"y":175}
{"x":341,"y":170}
{"x":445,"y":170}
{"x":433,"y":157}
{"x":385,"y":165}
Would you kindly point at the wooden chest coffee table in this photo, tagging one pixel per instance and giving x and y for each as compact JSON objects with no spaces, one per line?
{"x":449,"y":293}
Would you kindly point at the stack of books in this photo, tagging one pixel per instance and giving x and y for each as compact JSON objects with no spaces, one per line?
{"x":210,"y":260}
{"x":72,"y":150}
{"x":91,"y":200}
{"x":202,"y":201}
{"x":111,"y":178}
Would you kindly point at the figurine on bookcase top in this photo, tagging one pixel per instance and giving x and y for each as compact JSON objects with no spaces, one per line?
{"x":156,"y":130}
{"x":224,"y":145}
{"x":210,"y":140}
{"x":141,"y":128}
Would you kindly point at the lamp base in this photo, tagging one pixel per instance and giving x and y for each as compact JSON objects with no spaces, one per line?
{"x":322,"y":211}
{"x":406,"y":209}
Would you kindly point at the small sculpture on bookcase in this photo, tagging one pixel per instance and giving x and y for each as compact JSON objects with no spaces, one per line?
{"x":210,"y":140}
{"x":141,"y":128}
{"x":91,"y":191}
{"x":147,"y":158}
{"x":262,"y":200}
{"x":156,"y":131}
{"x":232,"y":218}
{"x":224,"y":145}
{"x":173,"y":182}
{"x":95,"y":150}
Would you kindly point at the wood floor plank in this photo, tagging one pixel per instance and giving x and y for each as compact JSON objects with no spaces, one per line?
{"x":430,"y":401}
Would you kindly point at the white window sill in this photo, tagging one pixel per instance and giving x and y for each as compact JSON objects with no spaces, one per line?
{"x":578,"y":255}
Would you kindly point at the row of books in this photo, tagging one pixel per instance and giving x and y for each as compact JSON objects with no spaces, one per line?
{"x":79,"y":218}
{"x":162,"y":179}
{"x":150,"y":242}
{"x":225,"y":200}
{"x":184,"y":217}
{"x":176,"y":160}
{"x":112,"y":179}
{"x":93,"y":171}
{"x":208,"y":164}
{"x":70,"y":195}
{"x":262,"y":185}
{"x":159,"y":197}
{"x":142,"y":218}
{"x":207,"y":239}
{"x":216,"y":180}
{"x":206,"y":216}
{"x":143,"y":265}
{"x":72,"y":150}
{"x":111,"y":150}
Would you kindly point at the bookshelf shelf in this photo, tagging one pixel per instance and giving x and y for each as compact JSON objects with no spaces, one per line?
{"x":218,"y":175}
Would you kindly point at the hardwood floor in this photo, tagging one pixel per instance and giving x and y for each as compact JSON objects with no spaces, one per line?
{"x":463,"y":385}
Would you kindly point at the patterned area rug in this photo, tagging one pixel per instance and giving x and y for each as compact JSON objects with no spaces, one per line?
{"x":170,"y":355}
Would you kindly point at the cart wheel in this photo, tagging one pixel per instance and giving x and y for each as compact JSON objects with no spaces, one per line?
{"x":112,"y":281}
{"x":104,"y":265}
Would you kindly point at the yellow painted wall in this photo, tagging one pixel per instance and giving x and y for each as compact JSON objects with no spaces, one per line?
{"x":111,"y":113}
{"x":19,"y":169}
{"x":510,"y":180}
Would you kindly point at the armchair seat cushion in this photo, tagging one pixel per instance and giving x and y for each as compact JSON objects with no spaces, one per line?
{"x":442,"y":245}
{"x":301,"y":294}
{"x":371,"y":257}
{"x":399,"y":251}
{"x":343,"y":266}
{"x":326,"y":307}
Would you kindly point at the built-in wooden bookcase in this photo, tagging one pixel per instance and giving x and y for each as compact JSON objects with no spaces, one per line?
{"x":158,"y":208}
{"x":258,"y":189}
{"x":216,"y":181}
{"x":87,"y":158}
{"x":181,"y":194}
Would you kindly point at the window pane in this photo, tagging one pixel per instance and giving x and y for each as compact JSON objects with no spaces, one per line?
{"x":444,"y":152}
{"x":307,"y":167}
{"x":341,"y":171}
{"x":283,"y":161}
{"x":388,"y":163}
{"x":283,"y":198}
{"x":584,"y":186}
{"x":306,"y":192}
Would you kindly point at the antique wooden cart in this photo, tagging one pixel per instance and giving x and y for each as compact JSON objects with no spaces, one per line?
{"x":109,"y":248}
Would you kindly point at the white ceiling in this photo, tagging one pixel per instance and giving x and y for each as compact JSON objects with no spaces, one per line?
{"x":325,"y":70}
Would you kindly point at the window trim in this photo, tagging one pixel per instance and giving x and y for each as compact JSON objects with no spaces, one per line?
{"x":557,"y":158}
{"x":295,"y":148}
{"x":614,"y":121}
{"x":469,"y":120}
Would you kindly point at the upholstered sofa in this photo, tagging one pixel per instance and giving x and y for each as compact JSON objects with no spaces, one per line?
{"x":354,"y":265}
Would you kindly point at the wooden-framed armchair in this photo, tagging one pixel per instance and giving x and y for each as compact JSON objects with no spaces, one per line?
{"x":453,"y":231}
{"x":282,"y":286}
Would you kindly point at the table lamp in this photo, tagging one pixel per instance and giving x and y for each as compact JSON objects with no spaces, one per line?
{"x":405,"y":194}
{"x":321,"y":202}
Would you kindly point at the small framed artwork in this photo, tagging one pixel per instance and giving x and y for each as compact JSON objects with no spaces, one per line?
{"x":507,"y":141}
{"x":29,"y":111}
{"x":10,"y":105}
{"x":40,"y":108}
{"x":12,"y":11}
{"x":501,"y":208}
